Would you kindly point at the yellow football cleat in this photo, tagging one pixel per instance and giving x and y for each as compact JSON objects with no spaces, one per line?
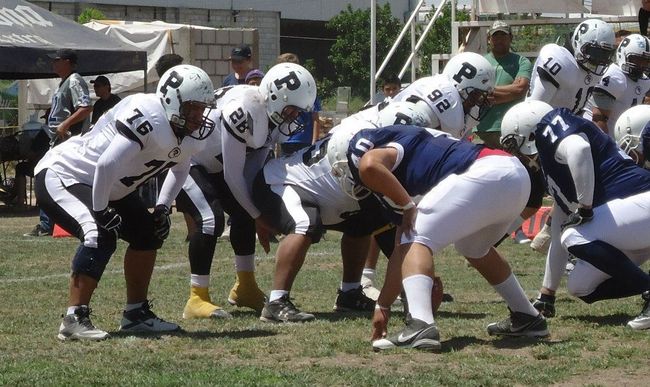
{"x":200,"y":306}
{"x":246,"y":293}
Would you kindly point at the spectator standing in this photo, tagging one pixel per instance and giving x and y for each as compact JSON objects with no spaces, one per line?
{"x":513,"y":73}
{"x":391,"y":85}
{"x":69,"y":113}
{"x":254,"y":77}
{"x":310,"y":120}
{"x":106,"y":98}
{"x":241,"y":63}
{"x":166,"y":62}
{"x":644,"y":15}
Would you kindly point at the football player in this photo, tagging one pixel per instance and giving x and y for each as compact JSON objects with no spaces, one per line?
{"x":405,"y":164}
{"x":467,"y":81}
{"x":566,"y":76}
{"x":598,"y":191}
{"x":87,"y":186}
{"x":303,"y":198}
{"x":625,"y":83}
{"x":222,"y":177}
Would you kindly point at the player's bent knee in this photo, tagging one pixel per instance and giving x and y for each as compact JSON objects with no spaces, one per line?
{"x":91,"y":261}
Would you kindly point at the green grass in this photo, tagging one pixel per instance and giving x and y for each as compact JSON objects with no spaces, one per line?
{"x":589,"y":344}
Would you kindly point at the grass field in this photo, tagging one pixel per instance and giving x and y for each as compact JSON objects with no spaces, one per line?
{"x":589,"y":344}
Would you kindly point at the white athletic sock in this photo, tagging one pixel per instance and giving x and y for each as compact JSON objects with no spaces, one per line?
{"x":72,"y":308}
{"x":369,"y":273}
{"x":245,"y":262}
{"x":200,"y":281}
{"x":345,"y":286}
{"x":276,"y":294}
{"x":514,"y":295}
{"x":418,"y":292}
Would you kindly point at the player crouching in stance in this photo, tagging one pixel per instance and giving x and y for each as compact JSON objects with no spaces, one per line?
{"x":401,"y":163}
{"x":632,"y":134}
{"x":87,"y":186}
{"x":599,"y":194}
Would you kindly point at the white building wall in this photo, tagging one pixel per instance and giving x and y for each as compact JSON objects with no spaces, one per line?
{"x":265,"y":38}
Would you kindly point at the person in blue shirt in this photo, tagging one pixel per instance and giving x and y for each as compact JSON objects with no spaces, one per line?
{"x":601,"y":201}
{"x":403,"y":165}
{"x":241,"y":63}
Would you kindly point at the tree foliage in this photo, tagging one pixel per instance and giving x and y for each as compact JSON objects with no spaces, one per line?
{"x":350,"y":54}
{"x":438,"y":40}
{"x":89,"y":14}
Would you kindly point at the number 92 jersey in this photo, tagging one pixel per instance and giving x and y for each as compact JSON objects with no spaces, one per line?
{"x":616,"y":175}
{"x":140,"y":118}
{"x":443,"y":100}
{"x":557,"y":66}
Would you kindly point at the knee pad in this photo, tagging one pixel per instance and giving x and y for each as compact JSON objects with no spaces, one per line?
{"x":90,"y":261}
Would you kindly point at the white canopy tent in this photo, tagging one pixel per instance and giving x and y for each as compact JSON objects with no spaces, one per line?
{"x":157,"y":38}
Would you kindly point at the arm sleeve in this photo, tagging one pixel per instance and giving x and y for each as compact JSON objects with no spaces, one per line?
{"x":234,"y":159}
{"x":643,"y":22}
{"x":575,"y":151}
{"x":173,"y":183}
{"x":109,"y":166}
{"x":541,"y":90}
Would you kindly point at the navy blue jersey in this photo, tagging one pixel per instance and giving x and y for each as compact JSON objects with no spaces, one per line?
{"x":427,"y":159}
{"x":616,"y":175}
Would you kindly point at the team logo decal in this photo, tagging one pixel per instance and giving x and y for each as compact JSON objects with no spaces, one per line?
{"x":637,"y":90}
{"x":588,"y":79}
{"x":174,"y":153}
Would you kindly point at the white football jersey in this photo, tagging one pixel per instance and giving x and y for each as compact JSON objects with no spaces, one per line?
{"x":557,"y":66}
{"x":310,"y":170}
{"x":140,"y":118}
{"x":438,"y":93}
{"x":442,"y":98}
{"x":241,"y":112}
{"x":625,"y":91}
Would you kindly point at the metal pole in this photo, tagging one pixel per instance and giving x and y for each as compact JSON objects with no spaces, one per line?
{"x":373,"y":48}
{"x":399,"y":39}
{"x":422,"y":37}
{"x":413,"y":51}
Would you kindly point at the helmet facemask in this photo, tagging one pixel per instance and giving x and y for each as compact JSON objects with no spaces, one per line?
{"x":192,"y":120}
{"x":595,"y":57}
{"x":476,"y":103}
{"x":342,"y":173}
{"x":636,"y":66}
{"x":290,"y":121}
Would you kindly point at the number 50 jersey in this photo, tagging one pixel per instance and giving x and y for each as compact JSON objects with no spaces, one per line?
{"x":140,"y":118}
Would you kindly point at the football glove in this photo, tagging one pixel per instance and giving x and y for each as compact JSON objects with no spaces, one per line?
{"x":161,"y":222}
{"x":108,"y":219}
{"x":582,"y":215}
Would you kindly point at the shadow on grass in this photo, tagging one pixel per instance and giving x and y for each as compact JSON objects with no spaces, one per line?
{"x":617,"y":319}
{"x":461,"y":315}
{"x":199,"y":335}
{"x":522,"y":342}
{"x":339,"y":316}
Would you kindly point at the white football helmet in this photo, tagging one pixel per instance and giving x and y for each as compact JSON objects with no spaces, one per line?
{"x":404,"y":113}
{"x":474,"y":78}
{"x":337,"y":155}
{"x":632,"y":131}
{"x":593,"y":45}
{"x":183,"y":89}
{"x":633,"y":55}
{"x":519,"y":124}
{"x":284,"y":85}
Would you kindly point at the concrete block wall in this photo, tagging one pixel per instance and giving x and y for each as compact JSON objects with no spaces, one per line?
{"x":260,"y":29}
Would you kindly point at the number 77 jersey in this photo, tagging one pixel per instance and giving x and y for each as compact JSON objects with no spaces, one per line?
{"x":139,"y":118}
{"x":616,"y":176}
